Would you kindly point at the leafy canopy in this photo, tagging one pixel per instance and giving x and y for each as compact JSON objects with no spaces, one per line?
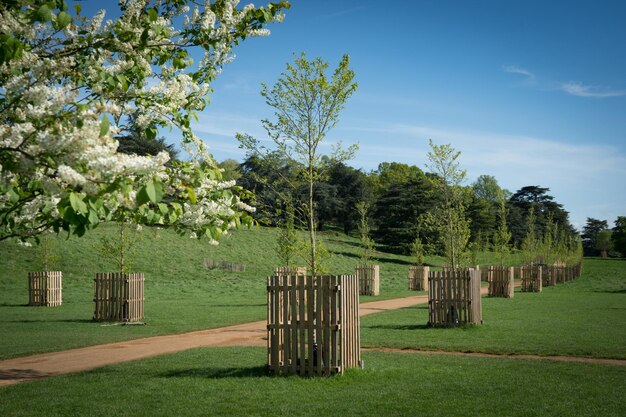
{"x":70,"y":84}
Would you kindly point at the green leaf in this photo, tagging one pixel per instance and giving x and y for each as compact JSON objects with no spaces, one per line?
{"x":70,"y":216}
{"x":163,"y":208}
{"x":142,"y":196}
{"x":178,"y":63}
{"x":152,"y":15}
{"x":10,"y":48}
{"x":43,"y":14}
{"x":144,"y":37}
{"x":13,"y":196}
{"x":93,"y":217}
{"x":159,"y":191}
{"x":151,"y":192}
{"x":77,"y":203}
{"x":151,"y":132}
{"x":63,"y":20}
{"x":192,"y":195}
{"x":104,"y":125}
{"x":123,"y":81}
{"x":150,"y":216}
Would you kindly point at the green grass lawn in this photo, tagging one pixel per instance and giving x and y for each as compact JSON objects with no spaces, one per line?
{"x":581,"y":318}
{"x":181,"y":295}
{"x":232,"y":382}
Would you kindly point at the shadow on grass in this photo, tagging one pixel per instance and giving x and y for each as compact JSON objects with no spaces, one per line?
{"x":399,"y":327}
{"x":15,"y":305}
{"x":622,"y":291}
{"x":54,"y":321}
{"x":346,"y":254}
{"x":21,"y":374}
{"x":236,"y":305}
{"x":217,"y":373}
{"x":343,"y":242}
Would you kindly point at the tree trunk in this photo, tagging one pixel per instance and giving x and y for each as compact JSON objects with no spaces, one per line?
{"x":312,"y":223}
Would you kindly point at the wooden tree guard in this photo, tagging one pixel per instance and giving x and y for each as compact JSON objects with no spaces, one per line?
{"x":532,"y":277}
{"x":45,"y":288}
{"x":578,"y":268}
{"x":570,"y":273}
{"x":484,"y":275}
{"x":118,"y":297}
{"x":290,"y":270}
{"x":559,"y":273}
{"x":418,"y":277}
{"x":369,"y":279}
{"x":454,"y":298}
{"x":227,"y":266}
{"x":548,"y":276}
{"x":313,"y":325}
{"x":501,"y":281}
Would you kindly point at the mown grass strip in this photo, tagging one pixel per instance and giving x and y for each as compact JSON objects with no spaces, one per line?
{"x":232,"y":382}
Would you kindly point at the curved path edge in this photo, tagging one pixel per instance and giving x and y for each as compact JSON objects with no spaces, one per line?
{"x":28,"y":368}
{"x":555,"y":358}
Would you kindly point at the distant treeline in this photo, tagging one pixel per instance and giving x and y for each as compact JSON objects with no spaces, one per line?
{"x":399,"y":195}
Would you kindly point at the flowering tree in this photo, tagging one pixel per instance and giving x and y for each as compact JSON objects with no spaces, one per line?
{"x":69,"y":85}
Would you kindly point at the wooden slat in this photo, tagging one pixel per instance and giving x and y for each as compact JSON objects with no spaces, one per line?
{"x":119,"y":297}
{"x":304,"y":312}
{"x":45,"y":288}
{"x":369,"y":279}
{"x":501,"y":281}
{"x":454,"y":297}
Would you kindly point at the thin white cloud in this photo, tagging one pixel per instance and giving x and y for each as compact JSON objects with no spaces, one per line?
{"x":514,"y":69}
{"x":581,"y":90}
{"x":344,"y":12}
{"x":574,"y":88}
{"x":578,"y":175}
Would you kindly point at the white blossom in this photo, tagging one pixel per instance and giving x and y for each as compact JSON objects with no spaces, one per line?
{"x":56,"y":133}
{"x":69,"y":176}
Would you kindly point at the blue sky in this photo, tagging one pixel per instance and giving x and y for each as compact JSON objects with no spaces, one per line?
{"x":532,"y":92}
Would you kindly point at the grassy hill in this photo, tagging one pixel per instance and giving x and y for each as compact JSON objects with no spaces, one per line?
{"x":582,"y":318}
{"x":180,"y":293}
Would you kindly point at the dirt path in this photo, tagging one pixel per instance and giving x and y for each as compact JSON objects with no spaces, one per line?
{"x":32,"y":367}
{"x":28,"y":368}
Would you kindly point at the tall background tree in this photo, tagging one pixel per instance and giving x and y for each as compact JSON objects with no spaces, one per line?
{"x":590,"y":233}
{"x":307,"y":103}
{"x":397,"y":210}
{"x":604,"y":242}
{"x":502,"y":236}
{"x":543,"y":205}
{"x":619,"y":235}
